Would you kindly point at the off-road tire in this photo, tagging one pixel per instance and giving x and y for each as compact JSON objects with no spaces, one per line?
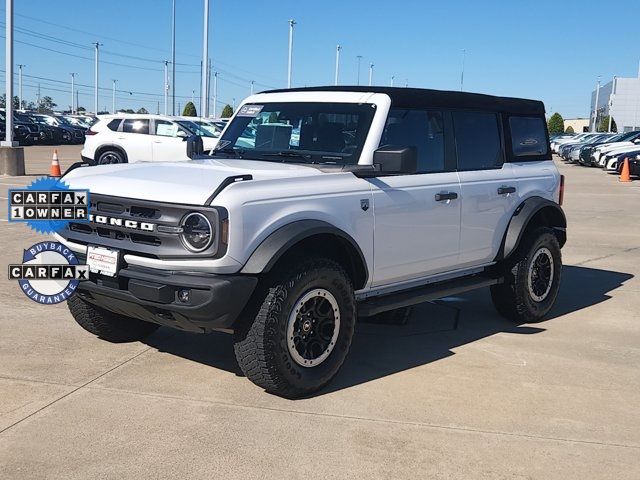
{"x":261,"y":345}
{"x":513,"y":298}
{"x":107,"y":325}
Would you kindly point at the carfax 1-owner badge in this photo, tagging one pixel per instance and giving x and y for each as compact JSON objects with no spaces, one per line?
{"x":49,"y":272}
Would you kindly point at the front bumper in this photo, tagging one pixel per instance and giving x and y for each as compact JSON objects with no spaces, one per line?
{"x":215,"y":301}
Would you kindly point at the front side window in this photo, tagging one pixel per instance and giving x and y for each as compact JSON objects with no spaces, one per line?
{"x":165,"y":128}
{"x":422,"y":129}
{"x":305,"y":132}
{"x":477,"y":140}
{"x":136,"y":125}
{"x":528,"y":136}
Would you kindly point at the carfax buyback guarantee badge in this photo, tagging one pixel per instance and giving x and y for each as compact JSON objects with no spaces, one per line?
{"x":50,"y":271}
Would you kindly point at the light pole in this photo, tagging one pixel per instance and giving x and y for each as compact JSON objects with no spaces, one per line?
{"x":392,"y":79}
{"x":359,"y":57}
{"x":370,"y":74}
{"x":95,"y":91}
{"x":595,"y":107}
{"x":20,"y":85}
{"x":234,"y":104}
{"x":292,"y":22}
{"x":252,"y":82}
{"x":406,"y":83}
{"x":173,"y":58}
{"x":338,"y":48}
{"x":204,"y":108}
{"x":193,"y":99}
{"x":215,"y":93}
{"x":166,"y":86}
{"x":8,"y":140}
{"x":73,"y":95}
{"x":113,"y":96}
{"x":464,"y":52}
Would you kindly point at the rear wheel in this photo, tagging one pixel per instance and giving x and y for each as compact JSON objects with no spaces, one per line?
{"x":108,"y":325}
{"x":532,"y":278}
{"x":110,"y":156}
{"x":299,"y":330}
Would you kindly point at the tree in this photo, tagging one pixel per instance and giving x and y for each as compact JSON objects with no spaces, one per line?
{"x":556,"y":124}
{"x":227,"y":111}
{"x":3,"y":101}
{"x":569,"y":129}
{"x":189,"y":110}
{"x":603,"y":125}
{"x":81,"y":109}
{"x":142,"y":111}
{"x":126,"y":110}
{"x":46,"y":105}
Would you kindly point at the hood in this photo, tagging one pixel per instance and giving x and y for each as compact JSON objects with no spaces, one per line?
{"x":191,"y":182}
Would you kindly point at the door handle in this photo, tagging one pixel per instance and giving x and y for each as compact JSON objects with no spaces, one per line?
{"x":441,"y":197}
{"x":505,"y":190}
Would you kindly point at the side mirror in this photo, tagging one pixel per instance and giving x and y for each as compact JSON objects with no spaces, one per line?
{"x":195,"y":147}
{"x":181,"y":134}
{"x":396,"y":159}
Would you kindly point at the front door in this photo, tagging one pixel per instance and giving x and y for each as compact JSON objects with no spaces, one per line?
{"x":167,"y":145}
{"x":417,"y":217}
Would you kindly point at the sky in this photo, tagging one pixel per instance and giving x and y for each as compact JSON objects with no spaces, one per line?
{"x":553,"y":51}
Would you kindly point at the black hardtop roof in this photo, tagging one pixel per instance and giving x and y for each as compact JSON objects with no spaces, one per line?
{"x":404,"y":97}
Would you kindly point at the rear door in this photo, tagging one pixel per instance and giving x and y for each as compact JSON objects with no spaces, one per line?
{"x":417,"y":217}
{"x":167,"y":145}
{"x":134,"y":137}
{"x":487,"y":183}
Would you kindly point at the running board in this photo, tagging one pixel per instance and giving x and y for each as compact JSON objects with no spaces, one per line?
{"x":373,"y":306}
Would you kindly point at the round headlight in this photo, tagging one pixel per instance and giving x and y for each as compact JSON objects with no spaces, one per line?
{"x":197,"y":233}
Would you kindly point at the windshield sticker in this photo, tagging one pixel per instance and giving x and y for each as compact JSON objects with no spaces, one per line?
{"x":250,"y":111}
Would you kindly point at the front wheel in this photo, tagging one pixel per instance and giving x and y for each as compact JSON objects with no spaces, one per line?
{"x":532,"y":279}
{"x":300,"y":329}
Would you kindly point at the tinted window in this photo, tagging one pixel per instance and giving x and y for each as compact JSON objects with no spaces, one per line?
{"x":528,"y":136}
{"x":421,"y":129}
{"x":114,"y":124}
{"x":477,"y":140}
{"x":136,"y":125}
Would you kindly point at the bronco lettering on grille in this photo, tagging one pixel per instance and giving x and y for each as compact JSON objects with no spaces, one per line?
{"x":122,"y":222}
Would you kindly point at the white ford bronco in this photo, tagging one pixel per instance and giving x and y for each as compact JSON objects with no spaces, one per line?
{"x":318,"y":206}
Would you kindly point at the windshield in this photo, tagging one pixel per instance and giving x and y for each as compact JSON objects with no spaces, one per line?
{"x":194,"y":128}
{"x":315,"y":132}
{"x":209,"y":127}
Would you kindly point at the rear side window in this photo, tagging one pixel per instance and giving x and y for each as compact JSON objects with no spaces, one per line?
{"x":114,"y":124}
{"x":478,"y":141}
{"x":136,"y":125}
{"x":423,"y":129}
{"x":528,"y":136}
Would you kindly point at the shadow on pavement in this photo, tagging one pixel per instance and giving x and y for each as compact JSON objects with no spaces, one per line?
{"x":433,"y":331}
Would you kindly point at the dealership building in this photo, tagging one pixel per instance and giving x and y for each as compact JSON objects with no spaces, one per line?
{"x":620,"y":98}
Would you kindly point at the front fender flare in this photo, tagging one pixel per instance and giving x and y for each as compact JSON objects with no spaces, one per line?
{"x":281,"y":240}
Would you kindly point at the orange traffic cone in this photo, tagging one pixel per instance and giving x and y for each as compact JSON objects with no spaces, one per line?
{"x":55,"y":166}
{"x":625,"y":175}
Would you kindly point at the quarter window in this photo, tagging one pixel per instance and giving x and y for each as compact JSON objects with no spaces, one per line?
{"x":422,"y":129}
{"x":136,"y":125}
{"x":528,"y":136}
{"x":114,"y":124}
{"x":477,"y":140}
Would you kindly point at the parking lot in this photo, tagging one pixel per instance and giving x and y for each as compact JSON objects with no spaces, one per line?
{"x":457,"y":393}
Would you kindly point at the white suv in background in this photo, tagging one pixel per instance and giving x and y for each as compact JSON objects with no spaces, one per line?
{"x":126,"y":138}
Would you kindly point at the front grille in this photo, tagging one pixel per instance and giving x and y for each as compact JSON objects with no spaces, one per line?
{"x":131,"y":226}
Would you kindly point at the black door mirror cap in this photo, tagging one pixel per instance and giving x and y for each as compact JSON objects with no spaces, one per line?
{"x":396,"y":159}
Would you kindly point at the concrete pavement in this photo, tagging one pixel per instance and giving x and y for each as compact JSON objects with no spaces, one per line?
{"x":457,"y":393}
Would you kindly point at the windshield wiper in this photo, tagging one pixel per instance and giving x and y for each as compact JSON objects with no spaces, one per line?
{"x":236,"y":152}
{"x":289,"y":154}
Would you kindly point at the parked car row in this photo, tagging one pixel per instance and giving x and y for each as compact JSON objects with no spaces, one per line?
{"x":604,"y":150}
{"x":31,"y":128}
{"x":130,"y":138}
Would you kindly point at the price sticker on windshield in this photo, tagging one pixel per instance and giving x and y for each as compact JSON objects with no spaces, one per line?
{"x":250,"y":111}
